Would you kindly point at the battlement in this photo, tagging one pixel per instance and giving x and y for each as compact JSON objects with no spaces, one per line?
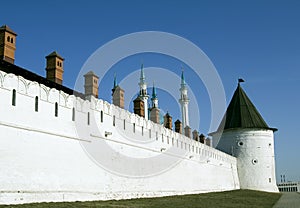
{"x":48,"y":107}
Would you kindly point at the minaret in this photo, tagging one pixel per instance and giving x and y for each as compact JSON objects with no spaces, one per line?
{"x":184,"y":101}
{"x":7,"y":44}
{"x":244,"y":134}
{"x":143,"y":92}
{"x":154,"y":111}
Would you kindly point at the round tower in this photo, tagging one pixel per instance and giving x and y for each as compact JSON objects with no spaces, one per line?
{"x":244,"y":134}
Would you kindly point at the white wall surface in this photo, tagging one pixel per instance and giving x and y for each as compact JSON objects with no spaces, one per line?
{"x":254,"y":149}
{"x":47,"y":158}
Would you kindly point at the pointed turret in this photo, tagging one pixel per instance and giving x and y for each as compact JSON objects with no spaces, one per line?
{"x":244,"y":134}
{"x":241,"y":113}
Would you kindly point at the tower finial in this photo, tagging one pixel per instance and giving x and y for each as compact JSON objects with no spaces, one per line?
{"x":182,"y":76}
{"x":240,"y":80}
{"x":154,"y":95}
{"x":142,"y":72}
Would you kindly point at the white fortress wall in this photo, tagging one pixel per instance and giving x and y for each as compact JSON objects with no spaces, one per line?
{"x":42,"y":156}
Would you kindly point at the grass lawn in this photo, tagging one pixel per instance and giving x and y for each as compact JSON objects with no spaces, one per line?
{"x":228,"y":199}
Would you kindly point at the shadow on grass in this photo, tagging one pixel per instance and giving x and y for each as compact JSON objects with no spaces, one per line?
{"x":228,"y":199}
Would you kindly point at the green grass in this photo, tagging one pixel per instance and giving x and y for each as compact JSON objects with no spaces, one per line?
{"x":228,"y":199}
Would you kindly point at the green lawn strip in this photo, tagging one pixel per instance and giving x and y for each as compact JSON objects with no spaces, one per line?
{"x":228,"y":199}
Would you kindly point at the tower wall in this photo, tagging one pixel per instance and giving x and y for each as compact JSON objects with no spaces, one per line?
{"x":254,"y":149}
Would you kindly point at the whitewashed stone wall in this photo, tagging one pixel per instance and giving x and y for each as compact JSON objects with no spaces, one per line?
{"x":42,"y":156}
{"x":254,"y":149}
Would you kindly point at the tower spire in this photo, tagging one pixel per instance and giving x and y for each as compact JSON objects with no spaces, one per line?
{"x":184,"y":101}
{"x":142,"y":77}
{"x":143,"y":90}
{"x":182,"y":76}
{"x":154,"y":97}
{"x":115,"y":81}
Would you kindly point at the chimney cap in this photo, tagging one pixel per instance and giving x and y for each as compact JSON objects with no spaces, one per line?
{"x":54,"y":54}
{"x":90,"y":73}
{"x":8,"y":29}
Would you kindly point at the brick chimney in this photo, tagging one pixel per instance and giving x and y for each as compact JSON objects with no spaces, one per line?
{"x":55,"y":68}
{"x":187,"y":131}
{"x":91,"y":84}
{"x":168,"y":121}
{"x":195,"y":135}
{"x":202,"y":138}
{"x":178,"y":126}
{"x":139,"y":108}
{"x":7,"y":44}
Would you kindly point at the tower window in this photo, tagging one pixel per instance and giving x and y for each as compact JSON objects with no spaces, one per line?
{"x":270,"y":180}
{"x":36,"y":104}
{"x":156,"y":135}
{"x":56,"y":109}
{"x":142,"y":130}
{"x":13,"y":102}
{"x":124,"y":123}
{"x":134,"y":128}
{"x":114,"y":120}
{"x":149,"y":133}
{"x":12,"y":40}
{"x":8,"y":38}
{"x":73,"y":114}
{"x":88,"y":118}
{"x":57,"y":63}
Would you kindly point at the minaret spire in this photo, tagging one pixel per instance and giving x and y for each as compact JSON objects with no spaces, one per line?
{"x":184,"y":101}
{"x":154,"y":97}
{"x":115,"y":80}
{"x":143,"y":91}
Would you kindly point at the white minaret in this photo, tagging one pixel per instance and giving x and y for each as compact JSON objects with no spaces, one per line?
{"x":184,"y":102}
{"x":143,"y":91}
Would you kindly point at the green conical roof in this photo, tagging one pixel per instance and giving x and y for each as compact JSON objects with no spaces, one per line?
{"x":241,"y":113}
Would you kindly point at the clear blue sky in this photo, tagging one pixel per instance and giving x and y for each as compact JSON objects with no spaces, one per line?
{"x":256,"y":40}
